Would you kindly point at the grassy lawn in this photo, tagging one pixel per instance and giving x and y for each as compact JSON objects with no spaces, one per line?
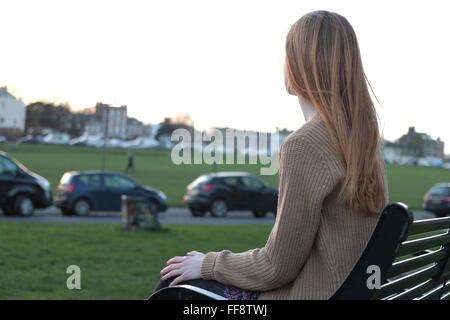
{"x":154,"y":168}
{"x":409,"y":184}
{"x":114,"y":263}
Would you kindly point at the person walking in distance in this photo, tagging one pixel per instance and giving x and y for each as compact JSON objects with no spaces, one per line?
{"x":130,"y":165}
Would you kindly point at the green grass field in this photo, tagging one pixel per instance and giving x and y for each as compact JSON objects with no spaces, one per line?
{"x":154,"y":168}
{"x":117,"y":264}
{"x":114,"y":263}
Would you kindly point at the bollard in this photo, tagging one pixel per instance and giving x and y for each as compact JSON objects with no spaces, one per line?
{"x":137,"y":212}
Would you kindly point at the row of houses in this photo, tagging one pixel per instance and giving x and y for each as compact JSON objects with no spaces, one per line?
{"x":415,"y":148}
{"x":106,"y":121}
{"x":100,"y":120}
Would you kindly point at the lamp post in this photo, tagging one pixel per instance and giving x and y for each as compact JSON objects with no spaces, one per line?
{"x":105,"y":135}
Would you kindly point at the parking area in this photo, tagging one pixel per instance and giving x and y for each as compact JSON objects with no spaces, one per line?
{"x":180,"y":216}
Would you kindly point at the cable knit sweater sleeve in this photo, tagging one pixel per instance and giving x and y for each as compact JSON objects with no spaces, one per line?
{"x":304,"y":182}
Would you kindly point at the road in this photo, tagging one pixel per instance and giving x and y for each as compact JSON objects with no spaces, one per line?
{"x":171,"y":216}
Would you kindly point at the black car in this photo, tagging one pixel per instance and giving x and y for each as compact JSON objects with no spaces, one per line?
{"x":437,"y":199}
{"x":21,"y":191}
{"x":221,"y":192}
{"x":81,"y":192}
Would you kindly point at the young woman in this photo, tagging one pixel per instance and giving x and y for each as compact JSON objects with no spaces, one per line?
{"x":332,"y":183}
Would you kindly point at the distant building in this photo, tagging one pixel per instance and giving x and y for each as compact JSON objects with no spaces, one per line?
{"x":414,"y":148}
{"x":107,"y":120}
{"x":136,"y":128}
{"x":439,"y":152}
{"x":12,"y":115}
{"x":113,"y":119}
{"x":93,"y":127}
{"x":420,"y":144}
{"x":392,"y":152}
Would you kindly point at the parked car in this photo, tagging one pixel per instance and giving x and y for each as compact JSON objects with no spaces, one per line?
{"x":437,"y":199}
{"x":2,"y":139}
{"x":30,"y":139}
{"x":78,"y":193}
{"x":21,"y":191}
{"x":221,"y":192}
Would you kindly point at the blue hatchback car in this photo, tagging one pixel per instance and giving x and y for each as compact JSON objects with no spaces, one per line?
{"x":79,"y":193}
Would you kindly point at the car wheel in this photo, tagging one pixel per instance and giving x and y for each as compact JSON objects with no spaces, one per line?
{"x":259,"y":214}
{"x":24,"y":206}
{"x":219,"y":208}
{"x":8,"y":211}
{"x":198,"y":213}
{"x":81,"y":208}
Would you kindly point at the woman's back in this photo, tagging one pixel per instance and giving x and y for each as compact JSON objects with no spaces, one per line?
{"x":332,"y":179}
{"x":341,"y":234}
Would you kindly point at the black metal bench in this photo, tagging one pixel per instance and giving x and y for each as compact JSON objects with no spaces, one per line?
{"x":412,"y":258}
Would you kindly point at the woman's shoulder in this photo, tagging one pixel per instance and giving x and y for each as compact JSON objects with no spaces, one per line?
{"x":314,"y":139}
{"x":313,"y":133}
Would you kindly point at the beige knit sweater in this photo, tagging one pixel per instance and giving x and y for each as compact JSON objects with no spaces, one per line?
{"x":316,"y":239}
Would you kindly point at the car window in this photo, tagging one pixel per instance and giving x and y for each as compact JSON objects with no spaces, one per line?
{"x":7,"y":167}
{"x":439,"y":191}
{"x":91,"y":180}
{"x":231,"y":181}
{"x":251,"y":182}
{"x":118,"y":182}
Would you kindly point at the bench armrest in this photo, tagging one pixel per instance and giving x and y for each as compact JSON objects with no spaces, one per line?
{"x":185,"y":292}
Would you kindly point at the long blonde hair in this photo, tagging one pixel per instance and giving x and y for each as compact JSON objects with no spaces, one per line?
{"x":323,"y":65}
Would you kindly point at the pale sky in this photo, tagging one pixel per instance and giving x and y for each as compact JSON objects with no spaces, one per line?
{"x":220,"y":61}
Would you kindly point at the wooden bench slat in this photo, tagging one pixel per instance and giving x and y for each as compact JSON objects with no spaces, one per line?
{"x":429,"y":225}
{"x":433,"y":294}
{"x":399,"y":285}
{"x":418,"y":290}
{"x":446,"y":288}
{"x":412,"y":246}
{"x":446,"y":296}
{"x":415,"y":263}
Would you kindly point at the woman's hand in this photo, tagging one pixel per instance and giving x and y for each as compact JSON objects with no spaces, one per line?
{"x":183,"y":268}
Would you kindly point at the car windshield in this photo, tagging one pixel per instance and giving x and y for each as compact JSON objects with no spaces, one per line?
{"x":7,"y":166}
{"x":439,"y":191}
{"x":21,"y":166}
{"x":252,"y":182}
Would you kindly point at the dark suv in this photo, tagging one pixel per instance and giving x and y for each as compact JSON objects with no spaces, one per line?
{"x":225,"y":191}
{"x":81,"y":192}
{"x":437,"y":199}
{"x":21,"y":191}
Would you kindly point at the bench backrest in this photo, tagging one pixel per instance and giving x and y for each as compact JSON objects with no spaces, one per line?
{"x":412,"y":257}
